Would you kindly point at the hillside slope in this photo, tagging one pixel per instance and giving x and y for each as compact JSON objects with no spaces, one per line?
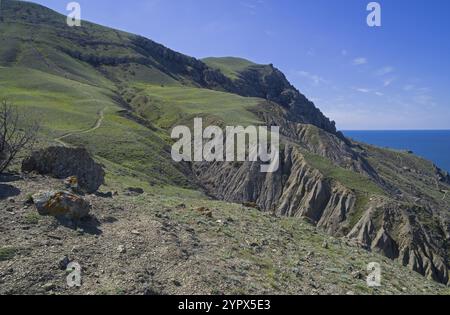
{"x":172,"y":246}
{"x":389,"y":202}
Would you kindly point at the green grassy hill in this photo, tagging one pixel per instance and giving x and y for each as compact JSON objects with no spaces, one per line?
{"x":119,"y":94}
{"x":67,"y":76}
{"x":230,"y":66}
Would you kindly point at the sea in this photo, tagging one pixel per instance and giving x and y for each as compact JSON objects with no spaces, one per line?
{"x":433,"y":145}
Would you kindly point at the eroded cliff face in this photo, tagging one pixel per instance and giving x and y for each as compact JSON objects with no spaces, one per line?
{"x":396,"y":231}
{"x":332,"y":183}
{"x":296,"y":189}
{"x":269,"y":83}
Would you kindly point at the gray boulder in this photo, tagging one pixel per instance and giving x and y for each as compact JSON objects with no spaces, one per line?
{"x":61,"y":162}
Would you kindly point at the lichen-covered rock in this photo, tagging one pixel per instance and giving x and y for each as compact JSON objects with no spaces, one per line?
{"x":61,"y":204}
{"x":61,"y":162}
{"x":71,"y":182}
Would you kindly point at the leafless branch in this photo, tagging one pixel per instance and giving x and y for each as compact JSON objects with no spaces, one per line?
{"x":17,"y":133}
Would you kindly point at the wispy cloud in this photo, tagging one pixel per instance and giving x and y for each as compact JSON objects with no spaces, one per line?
{"x":253,"y":6}
{"x":314,"y":78}
{"x":422,"y":96}
{"x":408,"y":87}
{"x":384,"y":71}
{"x":311,"y":52}
{"x":388,"y":82}
{"x":360,"y":61}
{"x":366,"y":90}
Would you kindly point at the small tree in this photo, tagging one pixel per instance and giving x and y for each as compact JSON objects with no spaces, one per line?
{"x":17,"y":133}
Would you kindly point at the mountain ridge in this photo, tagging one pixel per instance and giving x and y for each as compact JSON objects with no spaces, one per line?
{"x":389,"y":202}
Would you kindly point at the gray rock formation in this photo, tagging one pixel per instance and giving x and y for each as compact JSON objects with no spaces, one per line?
{"x":320,"y":178}
{"x":61,"y":162}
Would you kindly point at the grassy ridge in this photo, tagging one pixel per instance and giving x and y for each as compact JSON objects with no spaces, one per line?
{"x":54,"y":71}
{"x":62,"y":105}
{"x":230,"y":66}
{"x":167,"y":105}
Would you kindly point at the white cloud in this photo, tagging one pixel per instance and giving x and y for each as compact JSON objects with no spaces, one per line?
{"x":384,"y":71}
{"x":311,"y":52}
{"x":408,"y":87}
{"x":360,"y":61}
{"x":362,"y":90}
{"x":252,"y":7}
{"x":314,"y":78}
{"x":388,"y":82}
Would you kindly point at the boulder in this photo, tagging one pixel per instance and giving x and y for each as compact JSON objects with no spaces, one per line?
{"x":61,"y":204}
{"x":134,"y":191}
{"x":71,"y":182}
{"x":61,"y":162}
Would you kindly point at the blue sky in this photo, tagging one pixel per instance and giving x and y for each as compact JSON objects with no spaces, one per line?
{"x":396,"y":76}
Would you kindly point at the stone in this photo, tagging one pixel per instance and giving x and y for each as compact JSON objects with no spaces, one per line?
{"x":61,"y":162}
{"x":108,"y":194}
{"x":49,"y":286}
{"x":121,"y":249}
{"x":63,"y":263}
{"x":309,"y":255}
{"x":357,"y":275}
{"x":135,"y":191}
{"x":61,"y":204}
{"x":71,"y":182}
{"x":205,"y":211}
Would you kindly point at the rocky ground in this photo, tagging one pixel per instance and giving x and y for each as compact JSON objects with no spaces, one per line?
{"x":154,"y":244}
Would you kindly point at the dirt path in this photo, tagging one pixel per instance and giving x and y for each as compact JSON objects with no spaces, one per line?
{"x":101,"y":113}
{"x":97,"y":125}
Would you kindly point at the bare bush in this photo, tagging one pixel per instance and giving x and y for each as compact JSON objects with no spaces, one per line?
{"x":18,"y":133}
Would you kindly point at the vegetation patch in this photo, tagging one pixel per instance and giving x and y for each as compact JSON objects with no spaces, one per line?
{"x":351,"y":180}
{"x":7,"y":253}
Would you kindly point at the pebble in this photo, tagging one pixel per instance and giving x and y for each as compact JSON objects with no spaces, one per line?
{"x":49,"y":286}
{"x":64,"y":262}
{"x":121,"y":249}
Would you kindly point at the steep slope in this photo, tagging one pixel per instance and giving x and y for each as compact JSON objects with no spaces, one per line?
{"x":270,"y":84}
{"x":30,"y":32}
{"x":391,"y":202}
{"x":172,"y":246}
{"x":229,"y":66}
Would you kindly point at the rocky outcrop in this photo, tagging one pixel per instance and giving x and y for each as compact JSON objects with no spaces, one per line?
{"x":61,"y":204}
{"x":376,"y":222}
{"x":442,"y":176}
{"x":269,"y":83}
{"x":295,"y":189}
{"x":61,"y":162}
{"x":395,"y":230}
{"x":332,"y":146}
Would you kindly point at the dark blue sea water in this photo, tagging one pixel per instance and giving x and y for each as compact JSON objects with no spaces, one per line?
{"x":434,"y":145}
